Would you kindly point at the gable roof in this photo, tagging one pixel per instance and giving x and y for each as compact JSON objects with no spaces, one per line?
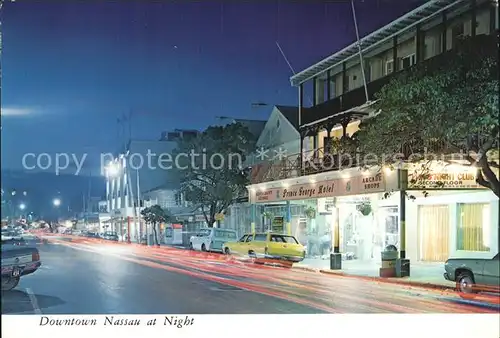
{"x":291,"y":114}
{"x":254,"y":126}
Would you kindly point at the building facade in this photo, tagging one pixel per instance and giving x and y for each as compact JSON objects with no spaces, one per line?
{"x":141,"y":169}
{"x":333,"y":206}
{"x":277,"y":139}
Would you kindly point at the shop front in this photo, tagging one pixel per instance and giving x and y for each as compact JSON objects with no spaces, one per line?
{"x":358,"y":214}
{"x":336,"y":212}
{"x":450,"y":215}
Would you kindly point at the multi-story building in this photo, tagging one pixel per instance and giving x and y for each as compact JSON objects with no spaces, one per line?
{"x":324,"y":206}
{"x":276,"y":138}
{"x":142,"y":168}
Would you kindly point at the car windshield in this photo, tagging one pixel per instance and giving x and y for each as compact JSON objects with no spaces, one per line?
{"x":290,"y":239}
{"x":203,"y":233}
{"x":225,"y":234}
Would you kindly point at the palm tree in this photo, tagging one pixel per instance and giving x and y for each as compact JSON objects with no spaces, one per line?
{"x":155,"y":215}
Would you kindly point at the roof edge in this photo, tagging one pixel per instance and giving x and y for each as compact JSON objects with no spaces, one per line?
{"x":301,"y":77}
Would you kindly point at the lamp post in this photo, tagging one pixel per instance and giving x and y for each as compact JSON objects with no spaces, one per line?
{"x":56,"y":202}
{"x":22,"y":207}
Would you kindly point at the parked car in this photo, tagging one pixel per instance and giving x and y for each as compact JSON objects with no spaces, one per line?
{"x":18,"y":260}
{"x":474,"y":275}
{"x":110,"y":236}
{"x":267,"y":245}
{"x":211,"y":239}
{"x":92,"y":235}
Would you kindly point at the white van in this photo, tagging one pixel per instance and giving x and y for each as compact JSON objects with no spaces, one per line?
{"x":211,"y":239}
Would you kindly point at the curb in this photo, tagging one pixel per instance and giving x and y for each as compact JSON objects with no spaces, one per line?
{"x":306,"y":268}
{"x":378,"y":279}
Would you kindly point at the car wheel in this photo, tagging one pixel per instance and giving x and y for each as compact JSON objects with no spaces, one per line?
{"x":465,"y":285}
{"x":227,"y":251}
{"x":191,"y":246}
{"x":9,"y":283}
{"x":251,"y":254}
{"x":203,"y":248}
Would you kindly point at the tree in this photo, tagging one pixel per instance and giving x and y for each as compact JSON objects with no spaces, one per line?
{"x":155,"y":215}
{"x":446,"y":107}
{"x":211,"y":167}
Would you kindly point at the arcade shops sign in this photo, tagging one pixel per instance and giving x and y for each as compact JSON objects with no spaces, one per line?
{"x":358,"y":185}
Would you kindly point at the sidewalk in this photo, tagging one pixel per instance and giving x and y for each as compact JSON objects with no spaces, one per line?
{"x":421,"y":274}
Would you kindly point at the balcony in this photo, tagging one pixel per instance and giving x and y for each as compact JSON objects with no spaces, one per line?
{"x":329,"y":158}
{"x":313,"y":162}
{"x":349,"y":101}
{"x":348,"y":107}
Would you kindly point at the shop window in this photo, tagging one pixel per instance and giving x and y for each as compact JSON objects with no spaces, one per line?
{"x":169,"y":232}
{"x":434,"y":225}
{"x":474,"y":227}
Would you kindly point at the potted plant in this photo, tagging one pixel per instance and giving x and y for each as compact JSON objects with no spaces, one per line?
{"x":365,"y":208}
{"x":310,"y":212}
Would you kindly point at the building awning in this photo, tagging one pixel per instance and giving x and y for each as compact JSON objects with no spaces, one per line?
{"x":384,"y":34}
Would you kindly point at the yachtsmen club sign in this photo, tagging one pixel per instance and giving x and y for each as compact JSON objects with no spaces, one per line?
{"x":358,"y":185}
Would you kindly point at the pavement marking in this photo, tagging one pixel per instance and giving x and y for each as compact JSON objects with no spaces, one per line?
{"x":33,"y":301}
{"x":226,"y":288}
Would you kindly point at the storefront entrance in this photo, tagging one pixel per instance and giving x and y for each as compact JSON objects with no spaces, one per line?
{"x":434,"y":231}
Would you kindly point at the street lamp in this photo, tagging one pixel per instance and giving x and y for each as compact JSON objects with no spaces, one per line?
{"x":22,"y":206}
{"x":56,"y":202}
{"x":112,"y":169}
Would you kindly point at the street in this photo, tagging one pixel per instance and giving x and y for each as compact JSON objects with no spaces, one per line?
{"x":109,"y":278}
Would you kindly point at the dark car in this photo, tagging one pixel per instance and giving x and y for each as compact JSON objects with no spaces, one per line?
{"x":18,"y":260}
{"x":93,"y":235}
{"x":110,"y":236}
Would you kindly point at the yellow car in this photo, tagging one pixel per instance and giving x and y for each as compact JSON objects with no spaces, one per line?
{"x":267,"y":245}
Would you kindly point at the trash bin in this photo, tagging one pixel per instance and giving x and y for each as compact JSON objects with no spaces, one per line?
{"x":389,"y":259}
{"x":403,"y":268}
{"x":335,"y":261}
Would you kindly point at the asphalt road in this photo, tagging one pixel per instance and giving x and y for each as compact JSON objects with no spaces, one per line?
{"x":89,"y":278}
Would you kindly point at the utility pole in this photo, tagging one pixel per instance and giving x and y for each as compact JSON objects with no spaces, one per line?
{"x":361,"y":61}
{"x":138,"y":212}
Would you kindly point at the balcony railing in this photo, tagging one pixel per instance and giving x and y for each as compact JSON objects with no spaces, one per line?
{"x":326,"y":159}
{"x":312,"y":162}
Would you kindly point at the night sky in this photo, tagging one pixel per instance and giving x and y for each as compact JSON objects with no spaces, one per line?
{"x":71,"y":68}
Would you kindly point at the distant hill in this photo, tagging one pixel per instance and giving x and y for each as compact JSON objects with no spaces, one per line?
{"x":42,"y":187}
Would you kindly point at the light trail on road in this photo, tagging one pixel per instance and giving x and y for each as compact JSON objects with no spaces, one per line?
{"x":333,"y":294}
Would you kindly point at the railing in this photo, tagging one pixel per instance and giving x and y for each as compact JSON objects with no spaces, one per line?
{"x":327,"y":159}
{"x":287,"y":167}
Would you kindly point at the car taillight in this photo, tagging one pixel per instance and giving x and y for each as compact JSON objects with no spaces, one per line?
{"x":35,"y":256}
